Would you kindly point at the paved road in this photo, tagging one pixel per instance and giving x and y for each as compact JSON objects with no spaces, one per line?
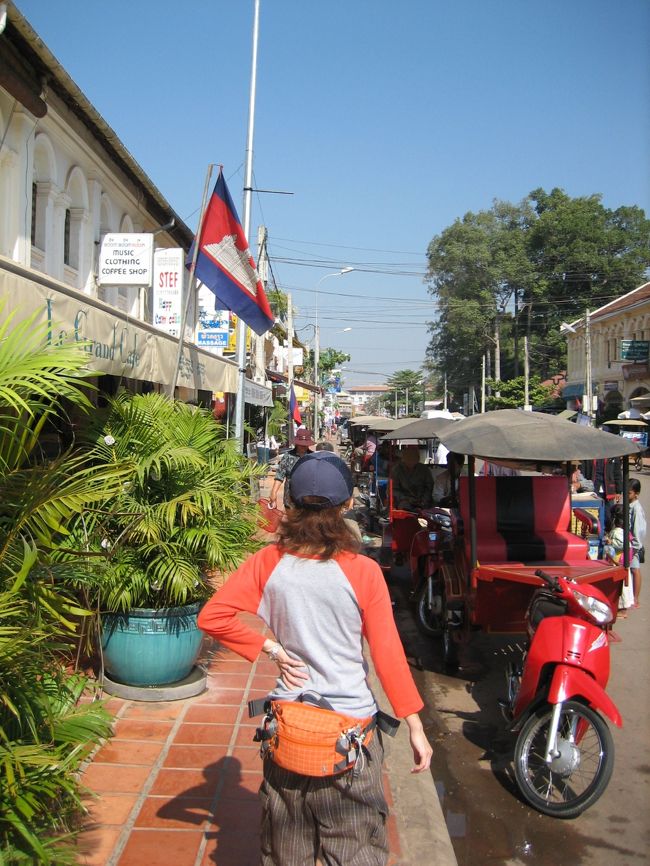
{"x":487,"y":821}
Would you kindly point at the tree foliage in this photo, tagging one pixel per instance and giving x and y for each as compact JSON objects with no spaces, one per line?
{"x":512,"y":393}
{"x":520,"y":270}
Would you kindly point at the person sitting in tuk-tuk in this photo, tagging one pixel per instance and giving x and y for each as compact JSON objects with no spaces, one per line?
{"x":366,"y":452}
{"x":445,"y":485}
{"x":412,"y":481}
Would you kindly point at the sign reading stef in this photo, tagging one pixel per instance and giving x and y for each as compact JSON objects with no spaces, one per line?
{"x":169,"y":272}
{"x":125,"y":260}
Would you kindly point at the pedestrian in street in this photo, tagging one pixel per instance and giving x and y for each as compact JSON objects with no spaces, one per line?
{"x":302,"y":443}
{"x":607,"y":478}
{"x":320,"y":598}
{"x":638,"y":528}
{"x":613,"y":550}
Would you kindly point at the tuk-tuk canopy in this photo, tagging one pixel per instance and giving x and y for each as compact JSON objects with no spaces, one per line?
{"x":379,"y":424}
{"x":626,"y":422}
{"x":511,"y":434}
{"x":422,"y":428}
{"x":364,"y":420}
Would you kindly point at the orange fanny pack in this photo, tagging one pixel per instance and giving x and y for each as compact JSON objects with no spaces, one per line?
{"x":312,"y":740}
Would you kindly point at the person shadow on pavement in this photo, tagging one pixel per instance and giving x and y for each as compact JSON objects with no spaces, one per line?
{"x":230,"y":810}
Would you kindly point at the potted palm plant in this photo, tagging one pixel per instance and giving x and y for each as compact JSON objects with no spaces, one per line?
{"x":46,"y":731}
{"x":185,"y":514}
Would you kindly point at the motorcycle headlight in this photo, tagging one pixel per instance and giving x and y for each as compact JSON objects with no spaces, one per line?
{"x":599,"y":611}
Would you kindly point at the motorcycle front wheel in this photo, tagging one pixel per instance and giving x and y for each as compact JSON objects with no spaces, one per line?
{"x":430,"y":607}
{"x":578,"y":775}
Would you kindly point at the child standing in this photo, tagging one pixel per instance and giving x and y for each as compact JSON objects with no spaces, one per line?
{"x":614,"y":544}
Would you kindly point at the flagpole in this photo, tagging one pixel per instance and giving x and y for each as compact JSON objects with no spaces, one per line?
{"x":191,"y":283}
{"x":248,"y":190}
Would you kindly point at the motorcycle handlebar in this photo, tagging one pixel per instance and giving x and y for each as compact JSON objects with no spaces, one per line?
{"x":547,"y":578}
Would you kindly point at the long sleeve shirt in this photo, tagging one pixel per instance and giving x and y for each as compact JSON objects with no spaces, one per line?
{"x":638,"y":525}
{"x":320,"y":611}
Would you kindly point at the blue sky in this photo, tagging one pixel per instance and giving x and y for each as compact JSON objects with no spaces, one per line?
{"x":386,"y":120}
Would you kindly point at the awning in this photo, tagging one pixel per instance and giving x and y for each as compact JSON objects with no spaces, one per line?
{"x":116,"y":343}
{"x":256,"y":394}
{"x":575,"y":389}
{"x":275,"y":376}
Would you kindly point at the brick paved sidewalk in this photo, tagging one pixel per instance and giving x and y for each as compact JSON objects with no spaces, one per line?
{"x":177,"y":785}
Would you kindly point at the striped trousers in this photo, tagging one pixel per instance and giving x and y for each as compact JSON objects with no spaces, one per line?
{"x":341,"y":819}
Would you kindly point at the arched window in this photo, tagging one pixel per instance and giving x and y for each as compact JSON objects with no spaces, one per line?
{"x":44,"y":191}
{"x":66,"y":239}
{"x":77,"y":240}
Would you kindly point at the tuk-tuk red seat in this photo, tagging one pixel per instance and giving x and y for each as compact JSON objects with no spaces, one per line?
{"x":522,"y":519}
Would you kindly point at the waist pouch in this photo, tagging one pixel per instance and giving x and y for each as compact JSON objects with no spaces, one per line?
{"x":314,"y":740}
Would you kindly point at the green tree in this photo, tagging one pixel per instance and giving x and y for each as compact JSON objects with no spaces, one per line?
{"x":522,"y":269}
{"x":405,"y":393}
{"x":512,"y":393}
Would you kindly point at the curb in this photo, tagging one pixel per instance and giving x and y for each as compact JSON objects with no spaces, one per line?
{"x":421,"y":824}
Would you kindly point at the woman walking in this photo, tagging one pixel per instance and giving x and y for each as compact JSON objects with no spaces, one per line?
{"x":321,"y":598}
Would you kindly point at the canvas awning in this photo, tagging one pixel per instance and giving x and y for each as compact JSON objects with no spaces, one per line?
{"x":275,"y":376}
{"x":115,"y":343}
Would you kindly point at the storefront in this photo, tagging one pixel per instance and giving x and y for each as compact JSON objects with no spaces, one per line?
{"x":115,"y":343}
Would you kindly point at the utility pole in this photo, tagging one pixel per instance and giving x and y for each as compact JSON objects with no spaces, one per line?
{"x":259,"y":367}
{"x":483,"y":384}
{"x":444,"y":405}
{"x":589,"y":386}
{"x":527,"y":405}
{"x":289,"y":367}
{"x":246,"y":225}
{"x":316,"y":380}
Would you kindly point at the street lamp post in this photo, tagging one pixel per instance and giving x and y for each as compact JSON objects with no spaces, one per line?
{"x":588,"y":399}
{"x":339,"y":273}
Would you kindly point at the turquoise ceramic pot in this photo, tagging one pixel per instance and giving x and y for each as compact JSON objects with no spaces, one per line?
{"x":151,"y":647}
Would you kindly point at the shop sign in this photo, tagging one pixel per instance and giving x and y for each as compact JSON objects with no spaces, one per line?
{"x":232,"y":336}
{"x":125,"y":260}
{"x":168,"y":275}
{"x":635,"y":350}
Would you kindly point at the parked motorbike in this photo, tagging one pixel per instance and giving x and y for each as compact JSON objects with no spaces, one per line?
{"x":427,"y":551}
{"x":564,"y":753}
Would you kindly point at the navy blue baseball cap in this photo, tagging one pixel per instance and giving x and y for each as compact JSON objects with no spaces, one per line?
{"x":320,"y":474}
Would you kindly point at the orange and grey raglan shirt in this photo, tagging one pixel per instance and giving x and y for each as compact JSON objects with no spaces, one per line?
{"x":320,"y":611}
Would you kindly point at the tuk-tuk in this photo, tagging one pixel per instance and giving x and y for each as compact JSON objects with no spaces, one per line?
{"x":635,"y":429}
{"x":506,"y":527}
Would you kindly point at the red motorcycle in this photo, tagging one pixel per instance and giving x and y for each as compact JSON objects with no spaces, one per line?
{"x":564,"y":754}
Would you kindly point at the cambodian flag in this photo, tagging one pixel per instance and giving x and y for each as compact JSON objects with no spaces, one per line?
{"x":225,"y":265}
{"x":294,"y":409}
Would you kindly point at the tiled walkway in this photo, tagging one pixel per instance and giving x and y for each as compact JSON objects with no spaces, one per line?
{"x":177,"y":784}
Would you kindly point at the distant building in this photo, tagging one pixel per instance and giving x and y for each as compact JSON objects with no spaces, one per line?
{"x":361,"y":394}
{"x":620,"y":340}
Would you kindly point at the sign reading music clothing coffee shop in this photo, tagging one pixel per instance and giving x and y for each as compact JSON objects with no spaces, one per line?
{"x":125,"y":259}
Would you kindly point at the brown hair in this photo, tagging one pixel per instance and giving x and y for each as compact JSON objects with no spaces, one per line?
{"x":322,"y":532}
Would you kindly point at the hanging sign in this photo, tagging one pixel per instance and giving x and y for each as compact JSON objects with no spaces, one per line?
{"x":125,"y":260}
{"x":168,"y":275}
{"x":635,"y":350}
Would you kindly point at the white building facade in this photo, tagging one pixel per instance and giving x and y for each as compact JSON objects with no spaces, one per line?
{"x":619,"y":375}
{"x":66,"y":181}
